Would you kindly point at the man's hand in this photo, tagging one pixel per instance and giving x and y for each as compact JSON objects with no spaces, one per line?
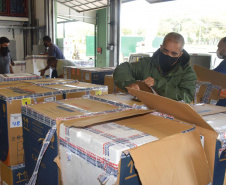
{"x":134,"y":86}
{"x":42,"y":72}
{"x":149,"y":81}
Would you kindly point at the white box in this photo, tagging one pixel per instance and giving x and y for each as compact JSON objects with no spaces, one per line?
{"x":34,"y":63}
{"x":96,"y":150}
{"x":19,"y":67}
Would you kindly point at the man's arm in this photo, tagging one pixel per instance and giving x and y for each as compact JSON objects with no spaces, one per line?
{"x":127,"y":74}
{"x":42,"y":71}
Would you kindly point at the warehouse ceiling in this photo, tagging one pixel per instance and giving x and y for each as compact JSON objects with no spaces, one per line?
{"x":88,"y":5}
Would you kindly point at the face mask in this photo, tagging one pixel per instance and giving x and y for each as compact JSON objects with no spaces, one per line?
{"x":45,"y":45}
{"x":4,"y":51}
{"x":219,"y":55}
{"x":166,"y":62}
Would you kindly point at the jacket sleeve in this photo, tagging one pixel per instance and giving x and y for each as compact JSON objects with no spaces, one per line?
{"x":185,"y":90}
{"x":127,"y":74}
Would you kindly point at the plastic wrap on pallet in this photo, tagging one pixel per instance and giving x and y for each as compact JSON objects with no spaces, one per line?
{"x":218,"y":122}
{"x":118,"y":104}
{"x":163,"y":115}
{"x":54,"y":83}
{"x":80,"y":89}
{"x":28,"y":93}
{"x":18,"y":77}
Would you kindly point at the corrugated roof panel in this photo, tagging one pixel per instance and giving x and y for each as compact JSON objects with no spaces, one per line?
{"x":76,"y":3}
{"x":69,"y":4}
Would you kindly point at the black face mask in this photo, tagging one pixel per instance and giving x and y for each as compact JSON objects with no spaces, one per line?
{"x":166,"y":62}
{"x":45,"y":45}
{"x":4,"y":51}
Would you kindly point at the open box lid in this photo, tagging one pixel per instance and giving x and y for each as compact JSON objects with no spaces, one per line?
{"x":178,"y":159}
{"x":180,"y":111}
{"x":207,"y":75}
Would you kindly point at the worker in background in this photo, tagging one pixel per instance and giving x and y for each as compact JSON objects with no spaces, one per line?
{"x":168,"y":71}
{"x":53,"y":50}
{"x":5,"y":59}
{"x":57,"y":66}
{"x":221,"y":54}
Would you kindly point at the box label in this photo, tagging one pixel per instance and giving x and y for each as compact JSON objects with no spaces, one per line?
{"x":15,"y":120}
{"x":87,"y":76}
{"x":50,"y":99}
{"x":98,"y":92}
{"x":4,"y":183}
{"x":26,"y":101}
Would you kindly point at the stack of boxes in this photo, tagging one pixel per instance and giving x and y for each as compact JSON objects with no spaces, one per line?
{"x":107,"y":139}
{"x":89,"y":75}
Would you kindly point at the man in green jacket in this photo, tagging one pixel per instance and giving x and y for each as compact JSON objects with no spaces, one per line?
{"x":168,"y":71}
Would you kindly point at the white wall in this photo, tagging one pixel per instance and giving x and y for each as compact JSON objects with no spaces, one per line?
{"x":18,"y":37}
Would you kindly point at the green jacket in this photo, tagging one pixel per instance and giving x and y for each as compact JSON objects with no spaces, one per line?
{"x":178,"y":84}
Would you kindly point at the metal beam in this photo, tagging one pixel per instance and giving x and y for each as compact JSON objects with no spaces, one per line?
{"x":114,"y":39}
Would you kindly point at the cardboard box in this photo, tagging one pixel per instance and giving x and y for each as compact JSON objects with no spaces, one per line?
{"x":18,"y":77}
{"x":101,"y":152}
{"x":79,"y":89}
{"x":112,"y":88}
{"x":39,"y":118}
{"x":9,"y":84}
{"x":34,"y":63}
{"x":183,"y":113}
{"x":216,"y":117}
{"x":19,"y":67}
{"x":95,"y":76}
{"x":74,"y":72}
{"x":168,"y":133}
{"x":211,"y":86}
{"x":50,"y":81}
{"x":14,"y":175}
{"x":11,"y":135}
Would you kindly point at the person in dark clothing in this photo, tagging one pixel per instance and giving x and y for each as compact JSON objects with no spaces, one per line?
{"x":168,"y":71}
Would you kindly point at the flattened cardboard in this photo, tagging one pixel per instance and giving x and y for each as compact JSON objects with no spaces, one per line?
{"x":143,"y":86}
{"x":185,"y":162}
{"x":214,"y":77}
{"x":84,"y":122}
{"x":164,"y":105}
{"x":207,"y":109}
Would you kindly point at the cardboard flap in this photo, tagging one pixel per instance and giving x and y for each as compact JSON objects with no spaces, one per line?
{"x":207,"y":75}
{"x":178,"y":159}
{"x":171,"y":107}
{"x":144,"y":87}
{"x":207,"y":109}
{"x":83,"y":122}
